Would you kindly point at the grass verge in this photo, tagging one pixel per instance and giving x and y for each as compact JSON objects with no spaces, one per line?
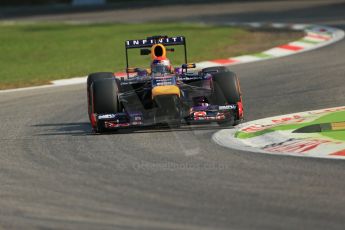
{"x":34,"y":54}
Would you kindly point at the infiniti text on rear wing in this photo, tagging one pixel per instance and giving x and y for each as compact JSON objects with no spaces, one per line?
{"x":158,"y":39}
{"x":167,"y":41}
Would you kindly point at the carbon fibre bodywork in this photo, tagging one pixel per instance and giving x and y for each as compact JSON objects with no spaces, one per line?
{"x":163,"y":94}
{"x":196,"y":103}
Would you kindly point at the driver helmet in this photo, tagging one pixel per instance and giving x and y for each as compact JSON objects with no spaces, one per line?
{"x":161,"y":66}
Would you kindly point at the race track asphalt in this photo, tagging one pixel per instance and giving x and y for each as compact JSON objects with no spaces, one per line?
{"x":55,"y":174}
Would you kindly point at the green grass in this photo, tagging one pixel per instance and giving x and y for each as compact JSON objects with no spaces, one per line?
{"x":33,"y":54}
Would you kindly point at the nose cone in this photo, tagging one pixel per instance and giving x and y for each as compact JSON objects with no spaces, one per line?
{"x":165,"y":90}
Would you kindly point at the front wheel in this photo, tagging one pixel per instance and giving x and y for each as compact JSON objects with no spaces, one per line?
{"x":92,"y":78}
{"x":226,"y":91}
{"x":104,"y":100}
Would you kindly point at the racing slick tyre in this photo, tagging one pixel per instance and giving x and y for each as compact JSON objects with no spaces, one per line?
{"x":90,"y":79}
{"x":215,"y":69}
{"x":226,"y":90}
{"x":104,"y":99}
{"x":101,"y":75}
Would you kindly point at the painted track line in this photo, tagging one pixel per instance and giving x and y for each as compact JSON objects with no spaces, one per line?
{"x":283,"y":135}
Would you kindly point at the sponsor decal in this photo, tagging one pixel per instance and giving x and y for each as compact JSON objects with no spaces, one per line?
{"x":330,"y":110}
{"x":200,"y":114}
{"x":208,"y":115}
{"x":106,"y":116}
{"x":255,"y":128}
{"x":204,"y":118}
{"x":224,"y":107}
{"x":275,"y":121}
{"x":150,"y":42}
{"x":161,"y":81}
{"x":291,"y":119}
{"x":136,"y":123}
{"x":137,"y":118}
{"x":339,"y":153}
{"x":220,"y":117}
{"x":319,"y":133}
{"x":109,"y":124}
{"x":296,"y":145}
{"x":186,"y":78}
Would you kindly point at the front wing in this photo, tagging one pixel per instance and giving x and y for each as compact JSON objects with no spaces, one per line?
{"x":196,"y":114}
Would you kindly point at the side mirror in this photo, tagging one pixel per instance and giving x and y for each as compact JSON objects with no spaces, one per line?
{"x":188,"y":66}
{"x":145,"y":52}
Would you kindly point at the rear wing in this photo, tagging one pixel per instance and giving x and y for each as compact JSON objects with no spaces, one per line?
{"x":150,"y":41}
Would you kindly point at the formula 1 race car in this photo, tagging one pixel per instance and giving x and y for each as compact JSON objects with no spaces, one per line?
{"x":163,"y":94}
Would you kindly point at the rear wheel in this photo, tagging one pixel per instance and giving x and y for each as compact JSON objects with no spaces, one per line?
{"x":226,"y":88}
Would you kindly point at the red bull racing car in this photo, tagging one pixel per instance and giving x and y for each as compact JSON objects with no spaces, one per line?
{"x":163,"y":94}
